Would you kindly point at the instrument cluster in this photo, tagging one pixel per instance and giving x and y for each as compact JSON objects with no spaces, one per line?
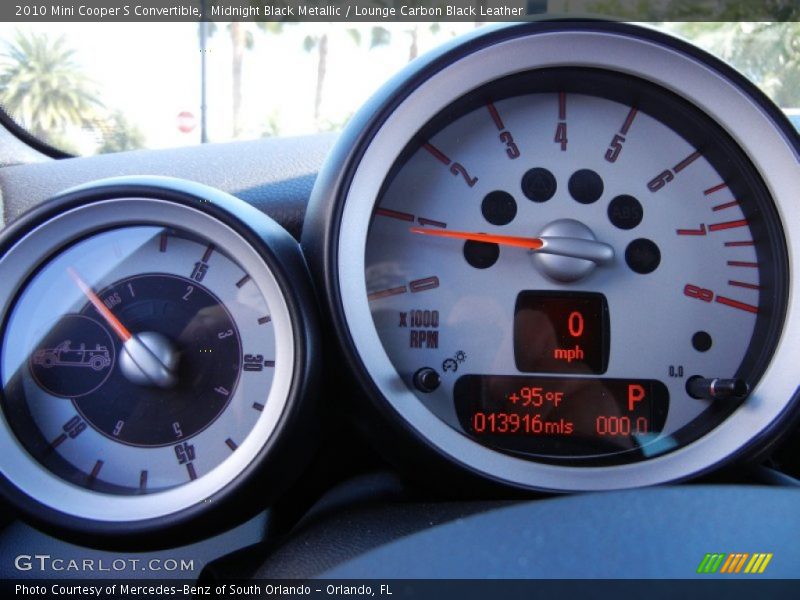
{"x":555,"y":256}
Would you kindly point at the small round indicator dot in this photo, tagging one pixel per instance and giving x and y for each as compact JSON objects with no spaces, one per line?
{"x":426,"y":380}
{"x":625,"y":212}
{"x":499,"y":208}
{"x":539,"y":184}
{"x":701,"y":341}
{"x":585,"y":186}
{"x":481,"y":255}
{"x":642,"y":256}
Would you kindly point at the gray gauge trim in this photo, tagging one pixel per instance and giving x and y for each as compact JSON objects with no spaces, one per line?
{"x":22,"y":260}
{"x":738,"y":114}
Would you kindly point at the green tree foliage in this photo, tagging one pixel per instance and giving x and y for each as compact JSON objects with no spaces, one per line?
{"x":119,"y":134}
{"x":759,"y":38}
{"x":683,"y":10}
{"x":767,"y":53}
{"x":43,"y":88}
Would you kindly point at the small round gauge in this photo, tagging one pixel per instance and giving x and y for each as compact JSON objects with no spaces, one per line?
{"x":560,"y":259}
{"x":153,"y":352}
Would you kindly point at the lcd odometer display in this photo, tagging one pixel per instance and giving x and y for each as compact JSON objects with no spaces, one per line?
{"x":561,"y":332}
{"x":561,"y":416}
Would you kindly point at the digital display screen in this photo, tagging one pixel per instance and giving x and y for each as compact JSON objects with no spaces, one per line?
{"x":561,"y":332}
{"x":561,"y":416}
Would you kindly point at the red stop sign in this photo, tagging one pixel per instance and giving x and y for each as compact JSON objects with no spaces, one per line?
{"x":186,"y":121}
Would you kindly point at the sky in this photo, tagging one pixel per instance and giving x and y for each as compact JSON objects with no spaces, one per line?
{"x":151,"y":71}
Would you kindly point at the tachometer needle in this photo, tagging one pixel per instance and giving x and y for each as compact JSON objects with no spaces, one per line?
{"x":104,"y":311}
{"x":574,"y":247}
{"x":503,"y":240}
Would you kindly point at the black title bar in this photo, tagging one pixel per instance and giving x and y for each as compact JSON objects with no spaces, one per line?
{"x":387,"y":11}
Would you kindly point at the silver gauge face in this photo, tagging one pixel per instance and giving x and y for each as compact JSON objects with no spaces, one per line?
{"x":563,"y":274}
{"x":561,"y":259}
{"x":130,"y":358}
{"x":145,"y":361}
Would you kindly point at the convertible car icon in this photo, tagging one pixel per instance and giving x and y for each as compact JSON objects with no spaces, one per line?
{"x":64,"y":355}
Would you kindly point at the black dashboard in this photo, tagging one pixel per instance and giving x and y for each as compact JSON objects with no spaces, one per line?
{"x":537,"y":300}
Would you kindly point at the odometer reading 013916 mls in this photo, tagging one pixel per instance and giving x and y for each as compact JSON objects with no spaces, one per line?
{"x":575,"y":265}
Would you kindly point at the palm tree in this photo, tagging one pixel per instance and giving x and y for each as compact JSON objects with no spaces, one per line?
{"x":241,"y":41}
{"x":43,"y":87}
{"x":379,"y":36}
{"x":320,"y":42}
{"x":414,"y":28}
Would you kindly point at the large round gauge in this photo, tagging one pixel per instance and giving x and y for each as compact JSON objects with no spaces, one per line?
{"x":154,"y":349}
{"x":559,"y":257}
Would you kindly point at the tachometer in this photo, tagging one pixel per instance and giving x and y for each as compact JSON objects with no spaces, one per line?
{"x":559,"y":258}
{"x":153,"y":352}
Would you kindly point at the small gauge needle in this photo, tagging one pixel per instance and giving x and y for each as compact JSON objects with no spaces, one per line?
{"x":104,"y":311}
{"x":573,"y":247}
{"x":149,"y":367}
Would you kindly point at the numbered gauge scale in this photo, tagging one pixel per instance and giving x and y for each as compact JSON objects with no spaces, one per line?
{"x":559,"y":259}
{"x":152,"y":352}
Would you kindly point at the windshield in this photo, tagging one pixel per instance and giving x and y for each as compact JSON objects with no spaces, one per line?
{"x":90,"y":88}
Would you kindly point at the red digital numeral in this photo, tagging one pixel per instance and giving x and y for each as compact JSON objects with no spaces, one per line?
{"x":575,"y":324}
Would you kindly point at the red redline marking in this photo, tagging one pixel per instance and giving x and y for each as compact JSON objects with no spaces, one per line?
{"x":58,"y":441}
{"x":736,"y":304}
{"x":386,"y":293}
{"x":701,"y":231}
{"x":728,"y":225}
{"x":628,"y":120}
{"x":747,"y":243}
{"x":716,"y":188}
{"x":440,"y":156}
{"x":562,"y":106}
{"x":749,"y":286}
{"x":96,"y":470}
{"x":495,"y":116}
{"x":686,"y":161}
{"x":726,"y":205}
{"x":431,"y":222}
{"x":394,"y":214}
{"x":742,"y":263}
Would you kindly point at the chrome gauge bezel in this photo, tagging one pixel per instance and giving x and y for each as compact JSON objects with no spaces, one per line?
{"x":272,"y":267}
{"x":623,"y":49}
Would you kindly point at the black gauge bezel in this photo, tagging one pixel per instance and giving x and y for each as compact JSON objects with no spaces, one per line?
{"x":401,"y":442}
{"x":293,"y":440}
{"x":723,"y":154}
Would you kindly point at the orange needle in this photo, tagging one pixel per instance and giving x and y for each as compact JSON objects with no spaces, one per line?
{"x":104,"y":311}
{"x":503,"y":240}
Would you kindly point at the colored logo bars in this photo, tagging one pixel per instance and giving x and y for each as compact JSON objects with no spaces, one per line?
{"x":735,"y":562}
